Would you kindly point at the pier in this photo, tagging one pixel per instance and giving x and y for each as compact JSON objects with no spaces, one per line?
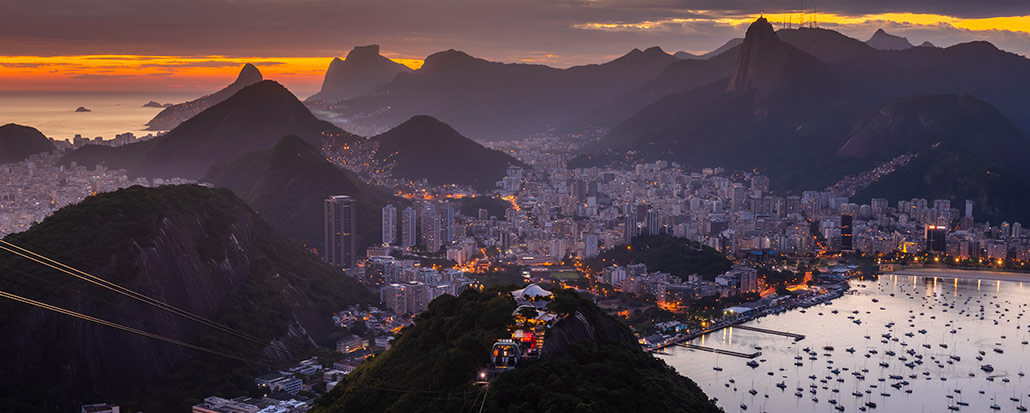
{"x":796,"y":337}
{"x":720,"y":351}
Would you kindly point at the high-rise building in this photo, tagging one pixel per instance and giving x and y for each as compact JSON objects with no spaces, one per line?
{"x":448,"y":223}
{"x":431,"y":229}
{"x":409,"y":230}
{"x":654,"y":221}
{"x":340,"y":221}
{"x":969,"y":208}
{"x":389,"y":224}
{"x":846,"y":232}
{"x":590,"y":245}
{"x":936,"y":238}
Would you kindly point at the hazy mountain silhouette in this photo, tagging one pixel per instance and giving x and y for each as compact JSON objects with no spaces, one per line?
{"x":424,"y":147}
{"x":288,"y":184}
{"x":18,"y":142}
{"x":885,"y":41}
{"x":173,"y":115}
{"x":491,"y":100}
{"x":363,"y":71}
{"x":255,"y":118}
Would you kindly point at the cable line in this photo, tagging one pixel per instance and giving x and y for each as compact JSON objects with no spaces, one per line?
{"x":41,"y":259}
{"x":61,"y":310}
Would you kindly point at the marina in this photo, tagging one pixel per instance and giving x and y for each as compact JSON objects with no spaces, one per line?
{"x":885,"y":346}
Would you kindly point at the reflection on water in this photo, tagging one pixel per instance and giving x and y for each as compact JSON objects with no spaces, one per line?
{"x":928,"y":332}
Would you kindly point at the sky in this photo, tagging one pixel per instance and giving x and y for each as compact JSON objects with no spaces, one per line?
{"x":199,"y":45}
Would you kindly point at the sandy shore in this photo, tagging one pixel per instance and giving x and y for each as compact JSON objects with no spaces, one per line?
{"x":964,"y":274}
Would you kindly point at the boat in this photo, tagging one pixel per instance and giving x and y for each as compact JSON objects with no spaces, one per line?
{"x":987,"y":367}
{"x":752,"y":364}
{"x":717,"y":368}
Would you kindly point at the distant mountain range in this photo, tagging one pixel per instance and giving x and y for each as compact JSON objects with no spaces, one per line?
{"x":288,"y":184}
{"x":363,"y":71}
{"x":196,"y":248}
{"x":255,"y":118}
{"x":173,"y":115}
{"x":425,"y":148}
{"x":882,"y":40}
{"x":840,"y":106}
{"x":487,"y":99}
{"x":18,"y":142}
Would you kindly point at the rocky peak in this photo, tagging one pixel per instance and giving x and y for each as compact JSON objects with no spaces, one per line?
{"x":248,"y":75}
{"x":359,"y":52}
{"x":760,"y":52}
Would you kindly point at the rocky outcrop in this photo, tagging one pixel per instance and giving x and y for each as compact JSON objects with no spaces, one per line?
{"x":362,"y":72}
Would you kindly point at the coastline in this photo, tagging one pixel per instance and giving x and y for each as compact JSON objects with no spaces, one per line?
{"x":963,"y":274}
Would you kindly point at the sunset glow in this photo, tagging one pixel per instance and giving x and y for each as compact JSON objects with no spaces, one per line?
{"x":132,"y":72}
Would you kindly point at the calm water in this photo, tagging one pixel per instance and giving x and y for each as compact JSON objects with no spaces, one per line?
{"x":938,"y":306}
{"x":53,"y":113}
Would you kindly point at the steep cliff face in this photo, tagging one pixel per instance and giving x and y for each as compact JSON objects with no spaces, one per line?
{"x":199,"y":249}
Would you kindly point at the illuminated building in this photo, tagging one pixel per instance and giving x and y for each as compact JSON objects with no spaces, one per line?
{"x":340,"y":221}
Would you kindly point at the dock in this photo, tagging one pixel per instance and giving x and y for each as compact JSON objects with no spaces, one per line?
{"x":720,"y":351}
{"x":796,"y":337}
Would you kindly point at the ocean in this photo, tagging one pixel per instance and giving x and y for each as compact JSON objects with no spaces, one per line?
{"x":53,"y":113}
{"x":928,"y":333}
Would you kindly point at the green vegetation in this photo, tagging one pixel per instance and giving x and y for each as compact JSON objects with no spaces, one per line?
{"x":601,"y":371}
{"x":676,"y":256}
{"x":200,"y":249}
{"x":494,"y":206}
{"x":432,"y":365}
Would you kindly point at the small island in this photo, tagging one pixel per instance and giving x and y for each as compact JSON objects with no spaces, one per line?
{"x":82,"y":109}
{"x":153,"y":104}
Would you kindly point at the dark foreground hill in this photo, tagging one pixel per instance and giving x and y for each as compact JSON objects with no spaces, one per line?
{"x":255,"y":118}
{"x":17,"y":142}
{"x":200,"y":249}
{"x":288,"y":184}
{"x":591,"y":362}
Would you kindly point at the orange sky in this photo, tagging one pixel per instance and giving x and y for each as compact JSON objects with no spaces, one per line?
{"x":128,"y":72}
{"x":303,"y":75}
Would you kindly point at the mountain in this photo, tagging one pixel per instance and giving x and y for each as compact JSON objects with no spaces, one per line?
{"x":363,"y":71}
{"x":882,"y":40}
{"x":200,"y":249}
{"x":255,"y":118}
{"x":173,"y":115}
{"x":732,"y":43}
{"x":288,"y":184}
{"x":954,"y":123}
{"x":684,"y":55}
{"x":768,"y":65}
{"x":425,"y":148}
{"x":488,"y":99}
{"x":686,"y":75}
{"x":18,"y":142}
{"x":926,"y":44}
{"x":825,"y":45}
{"x":589,"y":362}
{"x":807,"y":121}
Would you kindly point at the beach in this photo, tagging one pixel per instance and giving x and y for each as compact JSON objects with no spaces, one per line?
{"x":964,"y":274}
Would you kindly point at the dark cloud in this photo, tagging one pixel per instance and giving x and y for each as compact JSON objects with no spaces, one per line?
{"x":509,"y":30}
